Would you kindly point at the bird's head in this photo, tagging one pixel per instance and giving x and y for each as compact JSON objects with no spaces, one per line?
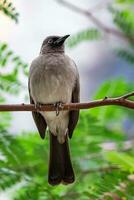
{"x":53,"y":44}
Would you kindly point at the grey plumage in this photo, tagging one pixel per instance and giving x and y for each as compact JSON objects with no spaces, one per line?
{"x":54,"y":78}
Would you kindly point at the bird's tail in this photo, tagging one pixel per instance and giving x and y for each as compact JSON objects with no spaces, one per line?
{"x":60,"y":166}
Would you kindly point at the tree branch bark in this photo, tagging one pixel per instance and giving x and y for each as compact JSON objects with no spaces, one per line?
{"x":95,"y":20}
{"x":118,"y":101}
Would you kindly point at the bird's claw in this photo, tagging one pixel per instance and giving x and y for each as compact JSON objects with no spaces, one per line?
{"x":58,"y":105}
{"x":38,"y":106}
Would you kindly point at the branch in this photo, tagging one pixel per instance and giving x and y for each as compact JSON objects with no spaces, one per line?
{"x":119,"y":101}
{"x":96,"y":21}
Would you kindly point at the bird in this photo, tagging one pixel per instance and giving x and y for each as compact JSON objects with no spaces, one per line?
{"x":54,"y":79}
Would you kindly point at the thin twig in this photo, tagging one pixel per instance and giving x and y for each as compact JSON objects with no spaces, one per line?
{"x":100,"y":5}
{"x":95,"y":20}
{"x":119,"y":101}
{"x":126,"y":96}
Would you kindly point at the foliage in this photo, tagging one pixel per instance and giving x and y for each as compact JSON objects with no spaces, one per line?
{"x":10,"y":66}
{"x":25,"y":159}
{"x":9,"y":10}
{"x":126,"y":162}
{"x":85,"y":35}
{"x":127,"y":55}
{"x":101,"y":174}
{"x":122,"y":15}
{"x":124,"y":20}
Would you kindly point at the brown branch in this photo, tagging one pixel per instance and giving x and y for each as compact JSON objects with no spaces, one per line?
{"x":119,"y":101}
{"x":95,"y":20}
{"x":126,"y":96}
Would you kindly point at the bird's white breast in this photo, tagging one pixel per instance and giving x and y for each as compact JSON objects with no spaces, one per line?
{"x":52,"y":79}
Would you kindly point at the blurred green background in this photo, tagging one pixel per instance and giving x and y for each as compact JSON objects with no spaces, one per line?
{"x":102,"y":148}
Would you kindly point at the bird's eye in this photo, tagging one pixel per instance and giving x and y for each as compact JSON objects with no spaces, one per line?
{"x":50,"y":41}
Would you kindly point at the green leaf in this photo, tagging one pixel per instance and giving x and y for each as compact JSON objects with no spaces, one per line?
{"x":85,"y":35}
{"x":125,"y":1}
{"x":3,"y":46}
{"x":123,"y":160}
{"x":7,"y":8}
{"x":126,"y":55}
{"x":124,"y":20}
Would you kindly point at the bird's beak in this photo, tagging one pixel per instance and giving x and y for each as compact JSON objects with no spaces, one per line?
{"x":61,"y":40}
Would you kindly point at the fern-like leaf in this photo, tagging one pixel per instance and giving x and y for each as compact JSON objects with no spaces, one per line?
{"x":85,"y":35}
{"x":9,"y":10}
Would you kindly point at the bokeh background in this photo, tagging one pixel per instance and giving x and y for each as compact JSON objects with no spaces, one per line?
{"x":101,"y":44}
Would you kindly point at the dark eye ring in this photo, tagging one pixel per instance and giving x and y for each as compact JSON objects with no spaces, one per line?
{"x":50,"y":41}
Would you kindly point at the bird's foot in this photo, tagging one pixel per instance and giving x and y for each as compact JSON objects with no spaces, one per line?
{"x":58,"y":106}
{"x":38,"y":106}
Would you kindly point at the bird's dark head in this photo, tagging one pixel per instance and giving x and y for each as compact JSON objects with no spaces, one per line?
{"x":53,"y":44}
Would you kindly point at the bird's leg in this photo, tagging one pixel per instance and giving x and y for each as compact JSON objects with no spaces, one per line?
{"x":66,"y":133}
{"x":58,"y":105}
{"x":38,"y":106}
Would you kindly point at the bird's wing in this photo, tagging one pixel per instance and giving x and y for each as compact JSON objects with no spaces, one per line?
{"x":74,"y":115}
{"x":38,"y":119}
